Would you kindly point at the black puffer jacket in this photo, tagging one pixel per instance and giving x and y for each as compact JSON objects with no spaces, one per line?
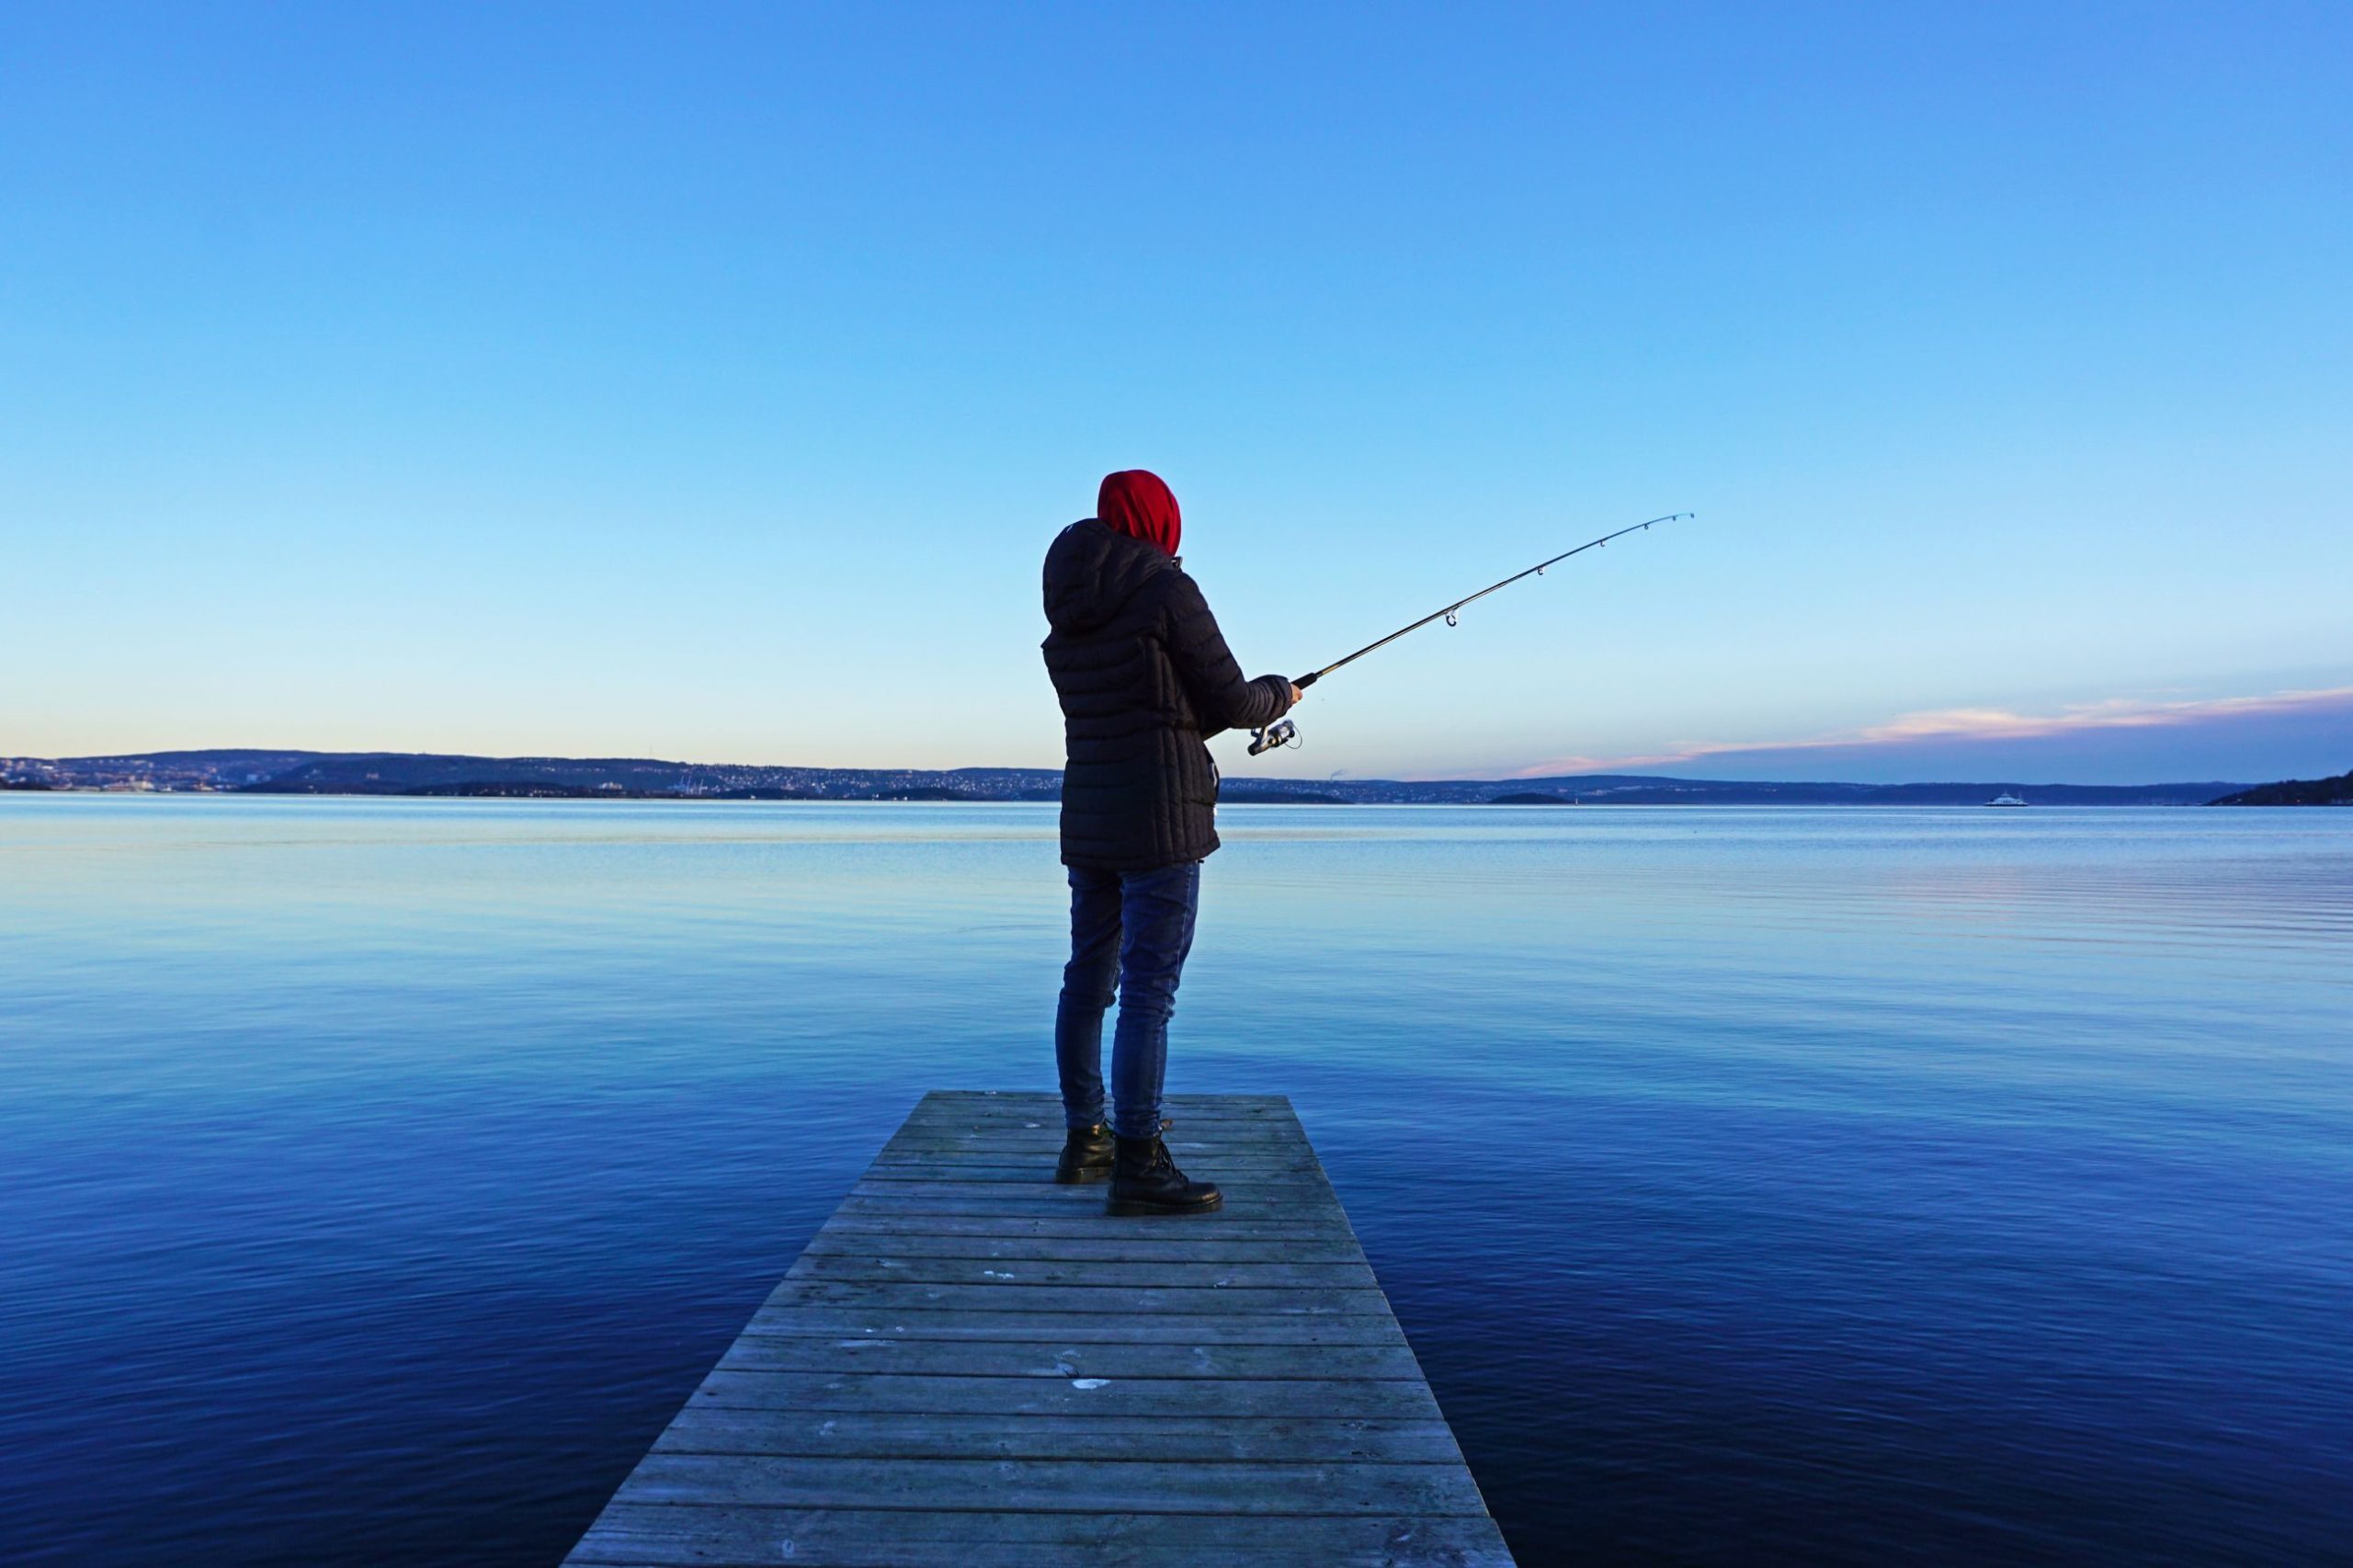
{"x":1144,"y":678}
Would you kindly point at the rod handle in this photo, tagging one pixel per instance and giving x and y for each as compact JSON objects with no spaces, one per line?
{"x":1304,"y":682}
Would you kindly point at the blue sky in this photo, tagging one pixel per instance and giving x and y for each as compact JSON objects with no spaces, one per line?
{"x":706,"y":381}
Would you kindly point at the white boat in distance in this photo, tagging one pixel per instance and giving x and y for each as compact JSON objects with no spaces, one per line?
{"x":2006,"y":799}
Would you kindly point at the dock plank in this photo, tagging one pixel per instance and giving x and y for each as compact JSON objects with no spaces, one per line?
{"x":659,"y":1535}
{"x":1093,"y":1276}
{"x":799,"y":1319}
{"x":793,"y":1433}
{"x":972,"y":1366}
{"x":1090,"y":1485}
{"x":835,"y":1242}
{"x":1054,"y":1358}
{"x":952,"y":1394}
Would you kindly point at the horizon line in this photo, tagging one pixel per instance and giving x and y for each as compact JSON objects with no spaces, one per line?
{"x":1504,"y":778}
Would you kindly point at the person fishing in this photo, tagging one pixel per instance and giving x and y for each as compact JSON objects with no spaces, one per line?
{"x":1144,"y":678}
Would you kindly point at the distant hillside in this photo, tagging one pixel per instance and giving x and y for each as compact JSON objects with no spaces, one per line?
{"x":398,"y":774}
{"x":156,"y":769}
{"x":625,"y":777}
{"x":1233,"y":794}
{"x":2336,"y":792}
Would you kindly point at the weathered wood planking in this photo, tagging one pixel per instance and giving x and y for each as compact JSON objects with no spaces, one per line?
{"x":971,"y":1365}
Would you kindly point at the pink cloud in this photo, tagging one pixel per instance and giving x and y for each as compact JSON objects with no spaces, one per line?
{"x":1967,"y":724}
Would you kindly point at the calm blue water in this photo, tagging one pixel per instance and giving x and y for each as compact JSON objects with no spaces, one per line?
{"x":1758,"y":1185}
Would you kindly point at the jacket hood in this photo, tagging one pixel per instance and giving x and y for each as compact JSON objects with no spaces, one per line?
{"x":1092,"y":572}
{"x":1138,"y":502}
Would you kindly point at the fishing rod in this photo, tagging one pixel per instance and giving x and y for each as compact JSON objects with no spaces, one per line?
{"x":1283,"y":732}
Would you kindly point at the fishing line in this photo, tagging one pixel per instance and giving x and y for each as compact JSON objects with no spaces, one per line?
{"x":1283,"y":732}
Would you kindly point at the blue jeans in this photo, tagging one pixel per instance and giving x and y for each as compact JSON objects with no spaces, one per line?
{"x":1131,"y":930}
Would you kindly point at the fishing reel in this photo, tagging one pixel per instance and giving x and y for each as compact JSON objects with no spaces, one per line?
{"x":1273,"y":737}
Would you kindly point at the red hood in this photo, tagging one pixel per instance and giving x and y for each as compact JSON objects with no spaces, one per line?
{"x":1136,"y":503}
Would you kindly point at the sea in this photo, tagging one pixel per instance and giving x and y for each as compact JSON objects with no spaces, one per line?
{"x":1756,"y":1185}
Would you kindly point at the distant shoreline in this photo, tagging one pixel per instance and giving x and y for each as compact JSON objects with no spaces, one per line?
{"x":439,"y":775}
{"x":618,"y":799}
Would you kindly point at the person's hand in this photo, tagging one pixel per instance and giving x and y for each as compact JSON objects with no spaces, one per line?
{"x":1297,"y":695}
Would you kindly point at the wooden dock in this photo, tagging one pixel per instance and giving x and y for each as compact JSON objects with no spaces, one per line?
{"x":972,"y":1366}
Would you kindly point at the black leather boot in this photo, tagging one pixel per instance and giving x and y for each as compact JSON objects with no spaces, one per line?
{"x":1145,"y":1180}
{"x":1087,"y":1154}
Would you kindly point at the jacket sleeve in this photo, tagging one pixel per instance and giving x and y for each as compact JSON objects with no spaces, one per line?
{"x":1212,"y":681}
